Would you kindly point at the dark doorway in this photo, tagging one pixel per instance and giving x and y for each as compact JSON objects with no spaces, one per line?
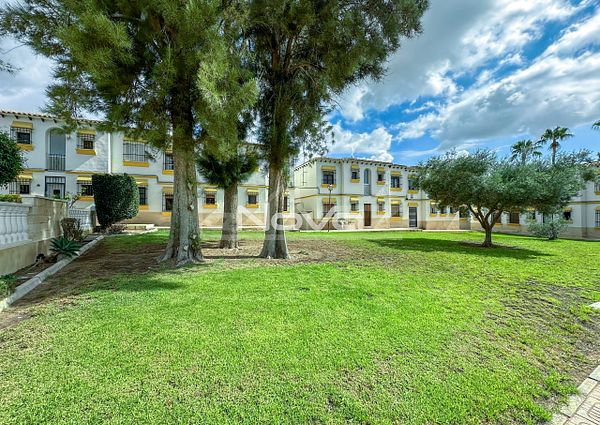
{"x":367,"y":215}
{"x":412,"y":217}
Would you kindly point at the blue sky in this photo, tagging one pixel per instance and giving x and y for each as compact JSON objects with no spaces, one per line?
{"x":484,"y":73}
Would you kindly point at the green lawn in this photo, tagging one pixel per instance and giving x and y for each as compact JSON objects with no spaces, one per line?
{"x":414,"y":328}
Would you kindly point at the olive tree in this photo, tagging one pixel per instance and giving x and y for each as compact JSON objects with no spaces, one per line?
{"x":490,"y":186}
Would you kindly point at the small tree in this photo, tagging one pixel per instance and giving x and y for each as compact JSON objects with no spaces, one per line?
{"x":228,"y":174}
{"x":550,"y":229}
{"x":116,"y":197}
{"x":489,"y":186}
{"x":11,"y":159}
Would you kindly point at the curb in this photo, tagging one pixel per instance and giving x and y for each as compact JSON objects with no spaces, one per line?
{"x":572,"y":410}
{"x":35,"y":281}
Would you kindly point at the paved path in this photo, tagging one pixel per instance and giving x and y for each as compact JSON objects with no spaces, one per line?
{"x":583,"y":408}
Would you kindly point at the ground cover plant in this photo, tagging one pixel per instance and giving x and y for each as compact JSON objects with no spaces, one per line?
{"x":405,"y":327}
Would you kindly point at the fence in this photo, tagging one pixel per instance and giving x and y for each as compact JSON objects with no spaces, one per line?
{"x":86,"y":217}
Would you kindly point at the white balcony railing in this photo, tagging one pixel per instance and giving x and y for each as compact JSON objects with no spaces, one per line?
{"x":13,"y":223}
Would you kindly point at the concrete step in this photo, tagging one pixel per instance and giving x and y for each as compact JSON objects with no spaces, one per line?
{"x":138,"y":227}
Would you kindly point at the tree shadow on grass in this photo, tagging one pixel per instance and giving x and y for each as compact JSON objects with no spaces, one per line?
{"x":457,"y":247}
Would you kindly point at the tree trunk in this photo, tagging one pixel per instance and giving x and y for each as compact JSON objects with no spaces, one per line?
{"x":184,"y":237}
{"x":275,"y":244}
{"x":229,"y":234}
{"x":487,"y":243}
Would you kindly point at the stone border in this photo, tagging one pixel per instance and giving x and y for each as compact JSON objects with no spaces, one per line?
{"x":35,"y":281}
{"x":575,"y":409}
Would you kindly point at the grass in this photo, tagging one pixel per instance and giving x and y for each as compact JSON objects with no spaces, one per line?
{"x":416,"y":328}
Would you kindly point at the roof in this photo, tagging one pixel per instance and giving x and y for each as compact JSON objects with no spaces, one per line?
{"x":42,"y":116}
{"x":351,"y":160}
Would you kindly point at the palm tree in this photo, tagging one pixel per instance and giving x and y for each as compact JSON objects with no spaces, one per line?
{"x":228,"y":174}
{"x":596,"y":125}
{"x":525,"y":149}
{"x":555,"y":137}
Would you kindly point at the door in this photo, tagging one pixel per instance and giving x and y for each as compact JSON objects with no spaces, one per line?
{"x":367,"y":215}
{"x":367,"y":183}
{"x":55,"y":187}
{"x":412,"y":216}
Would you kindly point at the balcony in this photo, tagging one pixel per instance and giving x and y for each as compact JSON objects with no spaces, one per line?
{"x":55,"y":162}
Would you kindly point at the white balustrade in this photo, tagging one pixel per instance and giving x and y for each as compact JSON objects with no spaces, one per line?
{"x":13,"y":223}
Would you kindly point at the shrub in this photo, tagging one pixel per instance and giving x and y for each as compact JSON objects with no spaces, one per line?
{"x":71,"y":228}
{"x":65,"y":247}
{"x":116,"y":198}
{"x":11,"y":198}
{"x":7,"y":285}
{"x":550,"y":230}
{"x":115,"y":229}
{"x":11,"y":159}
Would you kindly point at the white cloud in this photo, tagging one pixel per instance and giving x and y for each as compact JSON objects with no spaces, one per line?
{"x":376,"y":143}
{"x":25,"y":89}
{"x":459,"y":37}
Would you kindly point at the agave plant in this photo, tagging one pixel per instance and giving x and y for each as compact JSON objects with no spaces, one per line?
{"x":64,"y":247}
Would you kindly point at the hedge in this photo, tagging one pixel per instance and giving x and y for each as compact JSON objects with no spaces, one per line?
{"x":116,"y":197}
{"x":11,"y":198}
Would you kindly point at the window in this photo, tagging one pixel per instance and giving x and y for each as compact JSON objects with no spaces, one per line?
{"x":143,"y":195}
{"x":514,"y":218}
{"x":252,"y":198}
{"x":396,"y":210}
{"x":597,"y":218}
{"x":168,"y":161}
{"x":568,"y":215}
{"x":286,"y":202}
{"x":463,"y":212}
{"x":354,"y":205}
{"x":328,"y":177}
{"x":355,"y":175}
{"x":531,"y":215}
{"x":380,"y":206}
{"x":84,"y":188}
{"x":20,"y":187}
{"x":167,"y":202}
{"x":444,"y":210}
{"x":21,"y":134}
{"x":327,"y":208}
{"x":434,"y":209}
{"x":412,"y":184}
{"x":55,"y":187}
{"x":597,"y":187}
{"x":85,"y":140}
{"x":135,"y":152}
{"x":395,"y":182}
{"x":380,"y":176}
{"x":210,"y":198}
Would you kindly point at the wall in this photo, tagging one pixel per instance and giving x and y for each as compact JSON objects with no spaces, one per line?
{"x":43,"y":223}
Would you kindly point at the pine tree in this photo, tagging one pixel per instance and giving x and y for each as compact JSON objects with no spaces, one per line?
{"x":166,"y":71}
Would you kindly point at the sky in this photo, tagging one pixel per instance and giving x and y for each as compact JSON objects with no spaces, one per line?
{"x":483,"y":74}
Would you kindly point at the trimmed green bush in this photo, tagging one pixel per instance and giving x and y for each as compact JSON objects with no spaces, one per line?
{"x":11,"y":159}
{"x":116,"y":197}
{"x":11,"y":198}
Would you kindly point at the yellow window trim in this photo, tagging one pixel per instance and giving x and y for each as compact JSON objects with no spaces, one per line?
{"x":211,"y":206}
{"x":85,"y":151}
{"x":381,"y":182}
{"x":167,"y":190}
{"x":144,"y":207}
{"x":136,"y":164}
{"x":355,"y":167}
{"x":26,"y":146}
{"x":87,"y":131}
{"x":86,"y":198}
{"x":396,"y":189}
{"x":413,"y":204}
{"x":355,"y":180}
{"x":326,"y":185}
{"x":380,"y":169}
{"x":251,"y":205}
{"x":396,"y":218}
{"x":166,"y":213}
{"x":513,"y":224}
{"x":354,"y":212}
{"x":142,"y":182}
{"x":252,"y":191}
{"x":380,"y":199}
{"x":25,"y":177}
{"x":354,"y":199}
{"x":396,"y":173}
{"x":328,"y":167}
{"x":395,"y":202}
{"x":326,"y":200}
{"x":21,"y":124}
{"x":413,"y":191}
{"x":380,"y":212}
{"x":210,"y":190}
{"x":84,"y":179}
{"x":167,"y":171}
